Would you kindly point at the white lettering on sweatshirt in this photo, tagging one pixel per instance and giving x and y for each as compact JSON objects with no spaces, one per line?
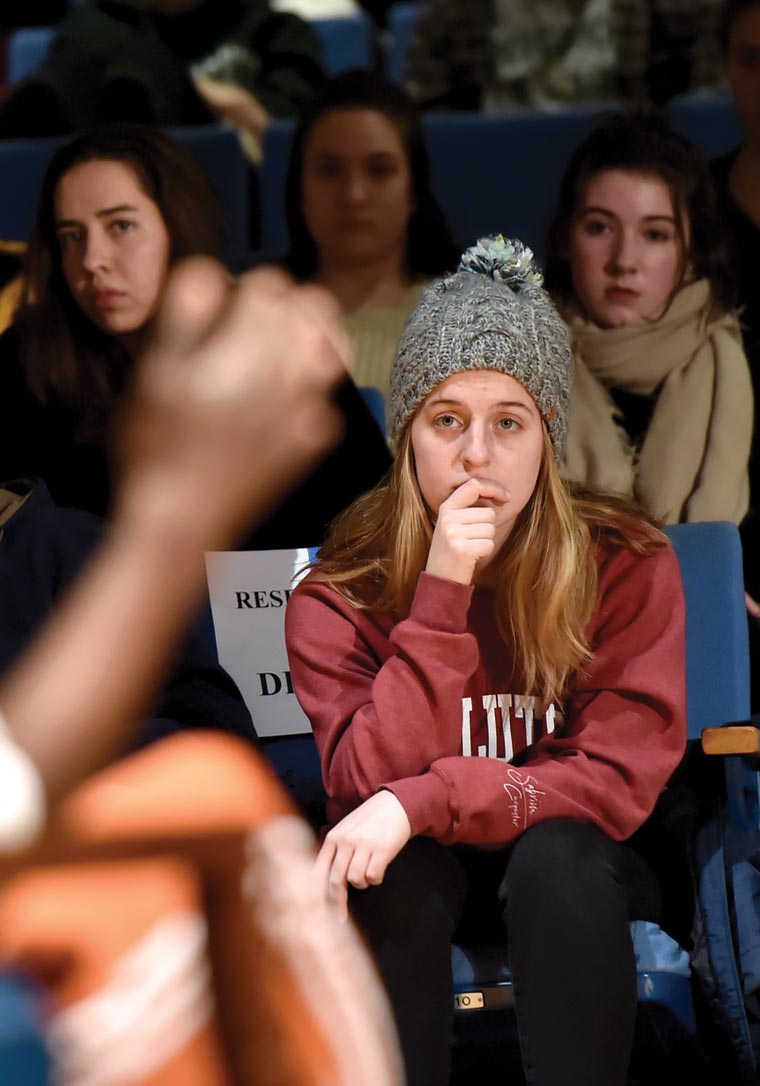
{"x":523,"y":796}
{"x":499,"y":733}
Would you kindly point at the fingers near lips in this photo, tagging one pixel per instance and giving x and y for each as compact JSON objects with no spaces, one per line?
{"x":476,"y":493}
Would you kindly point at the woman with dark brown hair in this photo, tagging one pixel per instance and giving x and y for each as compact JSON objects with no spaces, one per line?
{"x":362,"y":217}
{"x":662,"y":398}
{"x":119,"y":207}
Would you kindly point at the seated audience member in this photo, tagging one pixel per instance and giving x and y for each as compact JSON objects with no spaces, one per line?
{"x":498,"y":55}
{"x":737,"y":175}
{"x":169,"y":904}
{"x":493,"y":663}
{"x":737,"y":181}
{"x":362,"y":217}
{"x":494,"y":55}
{"x":118,"y":207}
{"x":662,"y":397}
{"x":168,"y":62}
{"x":42,"y":548}
{"x":666,"y":48}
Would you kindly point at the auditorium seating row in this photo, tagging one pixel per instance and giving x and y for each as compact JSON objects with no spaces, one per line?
{"x":501,"y":173}
{"x":491,"y":173}
{"x":348,"y":42}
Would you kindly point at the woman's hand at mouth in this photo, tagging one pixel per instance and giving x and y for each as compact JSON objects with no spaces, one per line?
{"x":465,"y":530}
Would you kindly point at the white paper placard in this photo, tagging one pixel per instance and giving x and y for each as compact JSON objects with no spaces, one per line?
{"x":249,"y":592}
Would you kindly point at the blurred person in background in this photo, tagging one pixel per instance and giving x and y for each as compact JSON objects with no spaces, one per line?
{"x":737,"y":174}
{"x":501,"y":54}
{"x":737,"y":182}
{"x":363,"y":220}
{"x":169,"y":62}
{"x":118,"y":207}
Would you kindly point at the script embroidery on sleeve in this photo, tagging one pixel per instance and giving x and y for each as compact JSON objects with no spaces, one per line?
{"x":523,"y":795}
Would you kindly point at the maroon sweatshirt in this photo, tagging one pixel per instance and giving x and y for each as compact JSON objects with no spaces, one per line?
{"x":433,"y":708}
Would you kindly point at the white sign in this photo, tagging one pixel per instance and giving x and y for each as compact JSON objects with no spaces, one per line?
{"x":249,"y":591}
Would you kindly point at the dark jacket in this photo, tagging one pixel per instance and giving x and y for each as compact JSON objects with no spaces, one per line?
{"x":42,"y":548}
{"x":49,"y":442}
{"x":116,"y":60}
{"x":743,"y":237}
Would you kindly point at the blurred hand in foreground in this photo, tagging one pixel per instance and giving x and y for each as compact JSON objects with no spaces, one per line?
{"x":232,"y":403}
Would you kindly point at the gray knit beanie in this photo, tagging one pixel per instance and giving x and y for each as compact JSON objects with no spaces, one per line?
{"x":491,"y":314}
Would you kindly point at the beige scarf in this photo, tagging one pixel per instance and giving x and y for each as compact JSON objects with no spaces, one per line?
{"x":693,"y":462}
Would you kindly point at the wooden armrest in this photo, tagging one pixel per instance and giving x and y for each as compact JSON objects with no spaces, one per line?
{"x":734,"y":739}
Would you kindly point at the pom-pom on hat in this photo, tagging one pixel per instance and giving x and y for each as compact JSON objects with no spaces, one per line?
{"x":491,"y":314}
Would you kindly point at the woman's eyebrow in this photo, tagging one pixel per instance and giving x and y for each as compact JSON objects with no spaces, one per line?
{"x":99,"y":214}
{"x":444,"y":401}
{"x":592,"y":209}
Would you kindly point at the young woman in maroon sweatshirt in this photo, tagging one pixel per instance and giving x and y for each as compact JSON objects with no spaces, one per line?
{"x":493,"y":664}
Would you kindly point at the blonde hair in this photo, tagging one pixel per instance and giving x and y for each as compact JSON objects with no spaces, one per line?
{"x":546,"y":578}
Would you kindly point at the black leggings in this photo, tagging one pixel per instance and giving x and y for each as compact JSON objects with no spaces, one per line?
{"x":566,"y":900}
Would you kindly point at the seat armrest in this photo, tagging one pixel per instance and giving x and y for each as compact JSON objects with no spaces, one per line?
{"x":731,"y":739}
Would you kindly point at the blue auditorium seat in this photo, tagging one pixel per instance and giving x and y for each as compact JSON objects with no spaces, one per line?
{"x":277,"y":142}
{"x":375,"y":402}
{"x":709,"y":121}
{"x":501,"y":173}
{"x":27,"y":48}
{"x":400,"y":22}
{"x":348,"y":42}
{"x":24,"y":1060}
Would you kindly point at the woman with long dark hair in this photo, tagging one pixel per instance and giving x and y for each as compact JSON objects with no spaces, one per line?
{"x":119,"y":207}
{"x":362,"y":217}
{"x":662,"y":397}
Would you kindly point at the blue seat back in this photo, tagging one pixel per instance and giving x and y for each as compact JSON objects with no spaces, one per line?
{"x":27,"y":49}
{"x":278,"y":140}
{"x":22,"y":164}
{"x":501,"y":174}
{"x":217,"y":150}
{"x":710,"y":121}
{"x":401,"y":21}
{"x":375,"y":402}
{"x":24,"y":1060}
{"x":347,"y":42}
{"x":717,"y":650}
